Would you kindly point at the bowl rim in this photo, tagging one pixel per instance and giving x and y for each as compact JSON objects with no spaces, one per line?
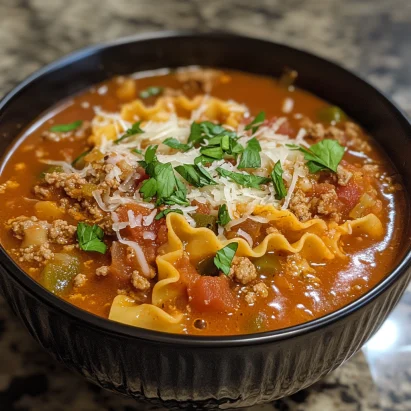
{"x":115,"y":328}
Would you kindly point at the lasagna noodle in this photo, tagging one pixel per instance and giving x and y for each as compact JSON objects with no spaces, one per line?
{"x":317,"y":242}
{"x":212,"y":109}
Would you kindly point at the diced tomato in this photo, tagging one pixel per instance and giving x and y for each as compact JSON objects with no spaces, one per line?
{"x":143,"y":176}
{"x":211,"y":294}
{"x":120,"y":266}
{"x":350,"y":194}
{"x":138,"y":233}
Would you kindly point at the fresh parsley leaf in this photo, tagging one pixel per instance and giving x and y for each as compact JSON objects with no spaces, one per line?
{"x":224,"y":257}
{"x":256,"y":123}
{"x":166,"y":180}
{"x":163,"y":213}
{"x":195,"y":133}
{"x":150,"y":154}
{"x":251,"y":155}
{"x":64,"y":128}
{"x":137,"y":151}
{"x":135,"y":129}
{"x":223,"y":216}
{"x":216,"y":153}
{"x":163,"y":183}
{"x":90,"y":238}
{"x":151,"y":91}
{"x":80,"y":157}
{"x":207,"y":130}
{"x":324,"y":155}
{"x":277,"y":177}
{"x":196,"y":175}
{"x":246,"y":180}
{"x":174,"y":143}
{"x":149,"y":189}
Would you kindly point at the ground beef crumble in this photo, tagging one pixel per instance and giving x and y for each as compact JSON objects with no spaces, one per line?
{"x":242,"y":270}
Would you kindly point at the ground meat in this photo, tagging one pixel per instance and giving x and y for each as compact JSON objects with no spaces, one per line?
{"x":296,"y":265}
{"x":71,"y":183}
{"x":250,"y":298}
{"x":242,"y":270}
{"x":139,"y":282}
{"x":327,"y":204}
{"x":318,"y":131}
{"x":31,"y":254}
{"x":60,"y":232}
{"x":79,"y":280}
{"x":203,"y":79}
{"x":343,"y":175}
{"x":300,"y":205}
{"x":102,"y":271}
{"x":41,"y":192}
{"x":19,"y":225}
{"x":259,"y":290}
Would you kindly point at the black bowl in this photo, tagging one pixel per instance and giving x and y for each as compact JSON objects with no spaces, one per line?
{"x":187,"y":370}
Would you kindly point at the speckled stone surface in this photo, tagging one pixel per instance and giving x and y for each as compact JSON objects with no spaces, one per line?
{"x":370,"y":37}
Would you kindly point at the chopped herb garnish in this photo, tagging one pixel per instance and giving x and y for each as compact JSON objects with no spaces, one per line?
{"x":149,"y":189}
{"x":256,"y":123}
{"x":90,"y":238}
{"x":174,"y":143}
{"x":224,"y":257}
{"x":251,"y":155}
{"x":163,"y":213}
{"x":151,"y":91}
{"x":163,"y":183}
{"x":215,"y":153}
{"x":324,"y":155}
{"x":207,"y":130}
{"x":135,"y":129}
{"x":223,"y":216}
{"x":246,"y":180}
{"x":196,"y":175}
{"x":277,"y":177}
{"x":137,"y":151}
{"x":81,"y":156}
{"x":64,"y":128}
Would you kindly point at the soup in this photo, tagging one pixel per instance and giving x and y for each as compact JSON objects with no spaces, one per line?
{"x":201,"y":201}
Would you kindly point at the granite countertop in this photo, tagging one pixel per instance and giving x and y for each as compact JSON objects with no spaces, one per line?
{"x":370,"y":37}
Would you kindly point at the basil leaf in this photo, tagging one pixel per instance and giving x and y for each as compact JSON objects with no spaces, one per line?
{"x":277,"y":177}
{"x":246,"y":180}
{"x":224,"y":257}
{"x":90,"y":238}
{"x":135,"y":129}
{"x":137,"y":151}
{"x":223,"y":216}
{"x":174,"y":143}
{"x":167,"y":211}
{"x":151,"y":91}
{"x":324,"y":155}
{"x":64,"y":128}
{"x":149,"y":189}
{"x":251,"y":155}
{"x":196,"y":175}
{"x":256,"y":123}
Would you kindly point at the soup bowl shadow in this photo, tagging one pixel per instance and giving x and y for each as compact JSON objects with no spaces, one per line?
{"x":189,"y":371}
